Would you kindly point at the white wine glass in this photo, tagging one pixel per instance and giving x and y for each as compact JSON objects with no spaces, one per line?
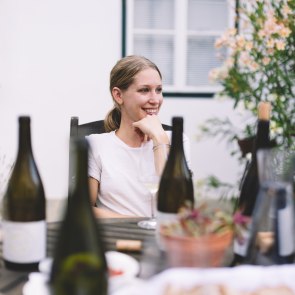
{"x":152,"y":184}
{"x":150,"y":180}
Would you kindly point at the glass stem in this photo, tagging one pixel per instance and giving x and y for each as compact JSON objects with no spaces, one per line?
{"x":152,"y":208}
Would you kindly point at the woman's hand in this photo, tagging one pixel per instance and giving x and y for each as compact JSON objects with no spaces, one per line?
{"x":151,"y":128}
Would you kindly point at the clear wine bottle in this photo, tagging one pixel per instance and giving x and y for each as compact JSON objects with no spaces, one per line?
{"x":272,"y":231}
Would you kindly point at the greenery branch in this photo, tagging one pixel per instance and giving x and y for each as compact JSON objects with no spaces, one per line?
{"x":260,"y":64}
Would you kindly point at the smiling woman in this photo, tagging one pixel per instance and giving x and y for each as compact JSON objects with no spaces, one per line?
{"x":134,"y":129}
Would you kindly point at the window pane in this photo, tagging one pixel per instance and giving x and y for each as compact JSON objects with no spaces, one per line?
{"x":207,"y":15}
{"x":201,"y":59}
{"x":154,"y":14}
{"x":160,"y":50}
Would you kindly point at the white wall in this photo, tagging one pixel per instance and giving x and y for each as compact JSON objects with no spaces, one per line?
{"x":55,"y":59}
{"x":209,"y":156}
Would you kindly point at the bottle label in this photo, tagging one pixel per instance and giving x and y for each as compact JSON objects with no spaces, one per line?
{"x":163,"y":218}
{"x":285,"y":231}
{"x":242,"y":242}
{"x":264,"y":241}
{"x":24,"y":242}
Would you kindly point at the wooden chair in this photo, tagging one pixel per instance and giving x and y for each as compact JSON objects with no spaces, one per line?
{"x":81,"y":130}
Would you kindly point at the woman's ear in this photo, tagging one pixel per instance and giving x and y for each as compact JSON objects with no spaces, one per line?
{"x":117,"y":95}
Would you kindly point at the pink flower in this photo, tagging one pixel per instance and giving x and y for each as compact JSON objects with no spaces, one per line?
{"x":266,"y":60}
{"x":240,"y":41}
{"x":241,"y":219}
{"x":284,"y":32}
{"x":280,"y":44}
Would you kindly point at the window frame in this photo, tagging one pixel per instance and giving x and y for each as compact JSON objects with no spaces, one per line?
{"x":178,"y":90}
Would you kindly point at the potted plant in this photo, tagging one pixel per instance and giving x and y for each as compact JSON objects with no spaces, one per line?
{"x":200,"y":237}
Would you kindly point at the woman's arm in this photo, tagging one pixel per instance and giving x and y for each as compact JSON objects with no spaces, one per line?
{"x":100,"y":212}
{"x":161,"y":151}
{"x":152,"y":129}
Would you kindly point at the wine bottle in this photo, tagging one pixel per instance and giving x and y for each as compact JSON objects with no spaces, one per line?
{"x":24,"y":207}
{"x":176,"y":186}
{"x":79,"y":264}
{"x":250,"y":186}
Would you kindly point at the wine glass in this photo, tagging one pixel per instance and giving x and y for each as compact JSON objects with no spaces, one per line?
{"x":150,"y":180}
{"x":152,"y":184}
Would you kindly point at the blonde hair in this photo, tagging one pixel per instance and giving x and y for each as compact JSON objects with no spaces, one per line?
{"x":122,"y":76}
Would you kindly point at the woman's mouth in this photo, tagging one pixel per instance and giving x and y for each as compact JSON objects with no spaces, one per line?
{"x":151,"y":111}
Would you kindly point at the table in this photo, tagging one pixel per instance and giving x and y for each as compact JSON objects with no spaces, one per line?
{"x":151,"y":259}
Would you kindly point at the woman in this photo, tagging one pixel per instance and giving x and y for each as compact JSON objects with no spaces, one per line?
{"x":134,"y":132}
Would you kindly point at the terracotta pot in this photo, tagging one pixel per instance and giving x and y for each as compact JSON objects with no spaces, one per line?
{"x":204,"y":251}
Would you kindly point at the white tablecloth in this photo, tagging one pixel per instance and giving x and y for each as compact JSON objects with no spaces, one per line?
{"x":244,"y":278}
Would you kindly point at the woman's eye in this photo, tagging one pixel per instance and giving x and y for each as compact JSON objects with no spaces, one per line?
{"x":159,"y":90}
{"x":144,"y":90}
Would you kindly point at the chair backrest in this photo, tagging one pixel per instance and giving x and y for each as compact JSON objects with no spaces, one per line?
{"x":95,"y":127}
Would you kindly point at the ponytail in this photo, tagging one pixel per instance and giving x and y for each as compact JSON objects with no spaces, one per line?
{"x":112,"y":119}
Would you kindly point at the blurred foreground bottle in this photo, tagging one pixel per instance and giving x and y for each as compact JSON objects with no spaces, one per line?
{"x":250,"y":185}
{"x":176,"y":186}
{"x":79,"y":265}
{"x":24,"y":207}
{"x":272,"y":231}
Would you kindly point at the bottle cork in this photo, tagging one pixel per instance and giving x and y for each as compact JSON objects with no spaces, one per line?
{"x":264,"y":109}
{"x":128,"y":245}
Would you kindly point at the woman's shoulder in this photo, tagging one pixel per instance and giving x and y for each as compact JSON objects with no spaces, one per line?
{"x":99,"y":138}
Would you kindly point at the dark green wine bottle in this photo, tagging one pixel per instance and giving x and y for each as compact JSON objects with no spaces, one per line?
{"x":24,"y":207}
{"x":79,"y":264}
{"x":250,"y":186}
{"x":176,"y":186}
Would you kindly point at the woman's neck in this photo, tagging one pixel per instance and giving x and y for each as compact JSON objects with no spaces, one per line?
{"x":129,"y":135}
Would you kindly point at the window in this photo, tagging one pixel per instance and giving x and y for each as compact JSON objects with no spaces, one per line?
{"x":179,"y":36}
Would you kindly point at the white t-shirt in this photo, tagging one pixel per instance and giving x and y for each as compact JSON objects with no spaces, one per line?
{"x":116,"y":166}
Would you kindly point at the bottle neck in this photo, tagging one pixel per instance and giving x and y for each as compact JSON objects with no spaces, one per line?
{"x":24,"y":139}
{"x":262,"y":137}
{"x":263,"y":134}
{"x":177,"y":137}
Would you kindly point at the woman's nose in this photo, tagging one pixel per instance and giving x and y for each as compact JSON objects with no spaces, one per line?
{"x":155,"y":97}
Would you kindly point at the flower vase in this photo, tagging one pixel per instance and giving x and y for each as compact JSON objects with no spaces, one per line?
{"x":204,"y":251}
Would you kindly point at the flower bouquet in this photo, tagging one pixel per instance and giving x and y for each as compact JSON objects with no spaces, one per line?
{"x":260,"y":65}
